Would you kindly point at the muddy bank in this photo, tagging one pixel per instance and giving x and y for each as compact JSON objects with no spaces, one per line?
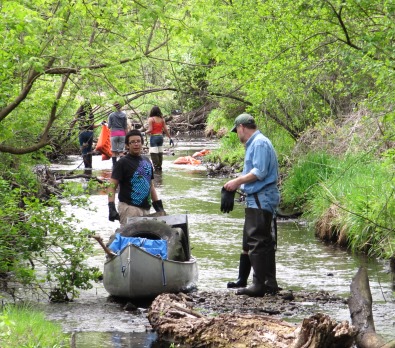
{"x":98,"y":314}
{"x":290,"y":304}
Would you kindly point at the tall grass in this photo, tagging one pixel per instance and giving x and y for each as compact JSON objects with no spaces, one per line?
{"x":351,"y":196}
{"x":303,"y":176}
{"x":362,"y":190}
{"x":26,"y":327}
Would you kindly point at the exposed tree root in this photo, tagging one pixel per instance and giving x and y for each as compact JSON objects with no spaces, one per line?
{"x":172,"y":316}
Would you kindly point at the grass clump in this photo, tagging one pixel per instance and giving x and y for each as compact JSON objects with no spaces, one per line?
{"x":349,"y":200}
{"x":359,"y":199}
{"x":304,"y":175}
{"x":25,"y":327}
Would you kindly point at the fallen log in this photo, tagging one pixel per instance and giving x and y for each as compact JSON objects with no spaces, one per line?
{"x":60,"y":178}
{"x":174,"y":318}
{"x":360,"y":305}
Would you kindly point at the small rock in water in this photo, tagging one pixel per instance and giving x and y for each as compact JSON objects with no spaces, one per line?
{"x":130,"y":307}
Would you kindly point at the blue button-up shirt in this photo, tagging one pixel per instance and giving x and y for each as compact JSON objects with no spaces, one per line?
{"x":261,"y":160}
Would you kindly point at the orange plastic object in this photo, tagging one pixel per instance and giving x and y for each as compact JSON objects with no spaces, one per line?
{"x":104,"y":143}
{"x":202,"y":153}
{"x":187,"y":160}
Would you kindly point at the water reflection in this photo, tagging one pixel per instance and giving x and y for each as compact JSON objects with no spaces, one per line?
{"x":118,"y":340}
{"x":303,"y":262}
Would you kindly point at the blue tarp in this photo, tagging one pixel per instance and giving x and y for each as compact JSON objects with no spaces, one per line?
{"x":157,"y":247}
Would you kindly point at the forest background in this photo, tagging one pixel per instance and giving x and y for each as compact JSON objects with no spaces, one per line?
{"x":317,"y":75}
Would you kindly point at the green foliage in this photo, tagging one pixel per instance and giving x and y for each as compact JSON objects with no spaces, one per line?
{"x":296,"y":64}
{"x":217,"y":119}
{"x":231,"y":150}
{"x":40,"y":245}
{"x":308,"y":172}
{"x":232,"y":155}
{"x":360,"y":190}
{"x":25,"y":326}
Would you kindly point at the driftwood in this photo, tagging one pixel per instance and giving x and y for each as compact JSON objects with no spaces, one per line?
{"x":84,"y":176}
{"x":50,"y":181}
{"x":107,"y":250}
{"x":173,"y":318}
{"x":360,"y":304}
{"x":191,"y":121}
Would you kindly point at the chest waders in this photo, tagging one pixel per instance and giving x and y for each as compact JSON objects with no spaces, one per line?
{"x":261,"y":249}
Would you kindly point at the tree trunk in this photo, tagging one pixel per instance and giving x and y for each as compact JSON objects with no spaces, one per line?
{"x":173,"y":318}
{"x":360,"y":304}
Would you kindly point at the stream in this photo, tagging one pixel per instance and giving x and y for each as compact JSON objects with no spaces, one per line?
{"x":303,"y":262}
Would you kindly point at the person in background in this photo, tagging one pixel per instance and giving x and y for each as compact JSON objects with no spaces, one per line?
{"x":259,"y":182}
{"x":86,"y":121}
{"x":117,"y":122}
{"x":134,"y":175}
{"x":156,"y":128}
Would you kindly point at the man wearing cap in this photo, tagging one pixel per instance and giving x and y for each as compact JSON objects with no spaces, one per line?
{"x":259,"y":182}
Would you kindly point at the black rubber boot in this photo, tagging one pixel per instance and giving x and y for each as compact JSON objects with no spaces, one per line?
{"x":255,"y":290}
{"x":264,"y":280}
{"x":261,"y":252}
{"x":155,"y":160}
{"x":244,"y":272}
{"x":160,"y":160}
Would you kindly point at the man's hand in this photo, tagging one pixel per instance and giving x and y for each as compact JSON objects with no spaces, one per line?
{"x":227,"y":200}
{"x":232,"y":185}
{"x":113,"y":214}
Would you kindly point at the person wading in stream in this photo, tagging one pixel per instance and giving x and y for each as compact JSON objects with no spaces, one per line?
{"x":87,"y":125}
{"x":135,"y":176}
{"x":156,"y":128}
{"x":118,"y":124}
{"x":259,"y":182}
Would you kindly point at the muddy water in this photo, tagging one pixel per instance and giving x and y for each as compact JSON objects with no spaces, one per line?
{"x":302,"y":261}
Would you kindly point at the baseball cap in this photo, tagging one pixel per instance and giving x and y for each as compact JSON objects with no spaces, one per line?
{"x":242,"y":119}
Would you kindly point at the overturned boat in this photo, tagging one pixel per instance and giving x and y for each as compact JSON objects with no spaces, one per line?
{"x":154,"y":257}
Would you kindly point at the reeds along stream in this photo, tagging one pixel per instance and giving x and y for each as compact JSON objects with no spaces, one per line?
{"x":303,"y":262}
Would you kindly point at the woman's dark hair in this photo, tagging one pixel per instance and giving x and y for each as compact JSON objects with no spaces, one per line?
{"x":134,"y":132}
{"x":155,"y":111}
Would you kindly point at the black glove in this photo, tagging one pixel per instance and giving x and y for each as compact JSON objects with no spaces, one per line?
{"x":227,"y":200}
{"x":158,"y":206}
{"x":171,"y":142}
{"x":113,"y":215}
